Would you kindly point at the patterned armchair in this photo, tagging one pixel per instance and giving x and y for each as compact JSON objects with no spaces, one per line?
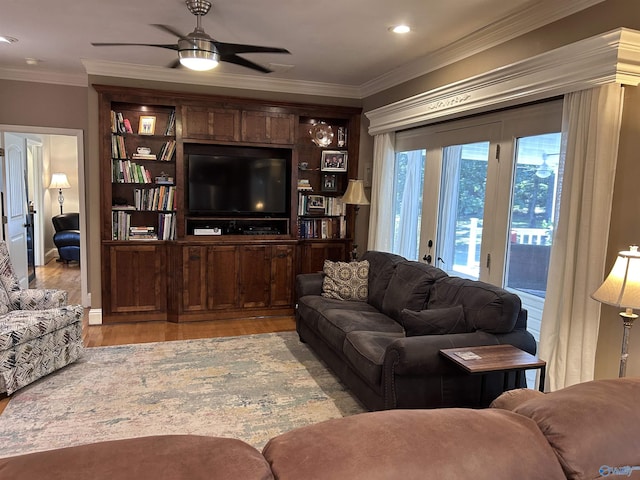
{"x":39,"y":332}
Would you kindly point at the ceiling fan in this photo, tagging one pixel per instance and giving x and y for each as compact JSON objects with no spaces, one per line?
{"x":198,"y":51}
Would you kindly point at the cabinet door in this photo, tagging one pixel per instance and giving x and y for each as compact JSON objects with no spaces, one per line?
{"x":255,"y":276}
{"x":210,"y":123}
{"x":282,"y":260}
{"x":313,"y":255}
{"x":137,"y":279}
{"x":223,"y":287}
{"x":194,"y":283}
{"x":268,"y":127}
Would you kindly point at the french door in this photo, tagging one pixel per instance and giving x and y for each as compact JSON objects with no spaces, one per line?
{"x":489,"y":198}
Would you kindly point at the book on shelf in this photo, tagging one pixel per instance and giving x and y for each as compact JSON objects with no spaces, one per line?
{"x":118,"y":148}
{"x":167,"y":226}
{"x":158,"y":198}
{"x":144,"y":156}
{"x":121,"y":221}
{"x":126,"y":171}
{"x":171,"y":124}
{"x":330,"y":206}
{"x":303,"y":184}
{"x":142,"y":233}
{"x":167,"y":150}
{"x":321,"y":228}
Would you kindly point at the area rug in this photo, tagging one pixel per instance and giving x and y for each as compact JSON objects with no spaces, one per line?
{"x":250,"y":387}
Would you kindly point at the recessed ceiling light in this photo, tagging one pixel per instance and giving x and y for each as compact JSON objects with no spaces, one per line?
{"x":32,"y":61}
{"x":400,"y":29}
{"x":5,"y":39}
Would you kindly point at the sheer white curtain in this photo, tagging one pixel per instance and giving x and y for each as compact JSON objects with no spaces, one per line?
{"x":381,"y":212}
{"x":569,"y":332}
{"x":449,"y":208}
{"x":408,"y":224}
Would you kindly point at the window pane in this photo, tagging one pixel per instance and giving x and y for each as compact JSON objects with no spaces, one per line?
{"x":407,"y":203}
{"x":462,"y":194}
{"x":533,"y":213}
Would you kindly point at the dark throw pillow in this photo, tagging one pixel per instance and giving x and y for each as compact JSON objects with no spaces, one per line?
{"x":437,"y":321}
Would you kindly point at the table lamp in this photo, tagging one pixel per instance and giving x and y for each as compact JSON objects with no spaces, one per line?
{"x":354,"y":195}
{"x":622,"y":289}
{"x":59,"y":181}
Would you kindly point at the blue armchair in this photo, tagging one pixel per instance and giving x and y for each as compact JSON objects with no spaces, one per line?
{"x":67,"y":236}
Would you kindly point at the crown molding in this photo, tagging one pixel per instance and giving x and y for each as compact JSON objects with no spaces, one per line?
{"x":535,"y":15}
{"x":30,"y":75}
{"x":613,"y":57}
{"x":248,"y":82}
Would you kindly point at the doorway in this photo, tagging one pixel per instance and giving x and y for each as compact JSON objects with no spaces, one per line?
{"x":48,"y":151}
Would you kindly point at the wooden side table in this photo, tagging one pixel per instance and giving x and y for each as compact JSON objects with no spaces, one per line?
{"x":495,"y":358}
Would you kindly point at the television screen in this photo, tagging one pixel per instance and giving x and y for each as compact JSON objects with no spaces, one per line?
{"x":254,"y":183}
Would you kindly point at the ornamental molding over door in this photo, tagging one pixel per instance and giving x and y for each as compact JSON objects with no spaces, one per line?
{"x":612,"y":57}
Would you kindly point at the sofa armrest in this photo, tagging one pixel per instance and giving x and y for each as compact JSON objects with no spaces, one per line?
{"x":420,"y":355}
{"x":38,"y":299}
{"x":309,"y":284}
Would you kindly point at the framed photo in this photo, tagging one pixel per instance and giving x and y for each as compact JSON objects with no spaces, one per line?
{"x":334,"y":161}
{"x":329,"y":182}
{"x":315,"y":202}
{"x":147,"y":125}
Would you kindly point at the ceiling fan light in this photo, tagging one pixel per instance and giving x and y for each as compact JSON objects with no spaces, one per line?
{"x":199,"y":60}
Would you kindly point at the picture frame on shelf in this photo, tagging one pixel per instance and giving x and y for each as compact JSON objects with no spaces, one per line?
{"x":315,"y":202}
{"x":147,"y":125}
{"x":329,"y":182}
{"x":334,"y":161}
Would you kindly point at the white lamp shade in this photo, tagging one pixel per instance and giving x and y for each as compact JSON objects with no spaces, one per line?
{"x":355,"y":193}
{"x":59,"y":180}
{"x":622,"y":287}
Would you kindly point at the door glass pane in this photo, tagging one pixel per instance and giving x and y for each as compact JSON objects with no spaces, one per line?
{"x":407,"y":202}
{"x":533,"y":213}
{"x":461,"y":211}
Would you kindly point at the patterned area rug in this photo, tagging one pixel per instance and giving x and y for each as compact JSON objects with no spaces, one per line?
{"x":251,"y":387}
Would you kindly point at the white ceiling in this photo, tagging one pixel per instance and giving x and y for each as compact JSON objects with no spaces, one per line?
{"x":337,"y":43}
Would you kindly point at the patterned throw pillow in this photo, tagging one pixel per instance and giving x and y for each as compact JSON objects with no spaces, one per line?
{"x":346,"y":281}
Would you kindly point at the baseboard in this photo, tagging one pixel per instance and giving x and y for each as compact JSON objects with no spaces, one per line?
{"x":95,"y":316}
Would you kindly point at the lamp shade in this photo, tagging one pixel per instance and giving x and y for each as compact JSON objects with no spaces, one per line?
{"x":355,"y":193}
{"x":622,"y":287}
{"x":59,"y":180}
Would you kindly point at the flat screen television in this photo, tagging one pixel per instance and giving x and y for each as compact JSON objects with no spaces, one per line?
{"x":236,"y":181}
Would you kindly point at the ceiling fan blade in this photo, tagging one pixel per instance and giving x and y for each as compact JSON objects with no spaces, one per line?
{"x":170,"y":46}
{"x":175,"y":64}
{"x":169,"y":29}
{"x":244,"y":62}
{"x":233,"y":48}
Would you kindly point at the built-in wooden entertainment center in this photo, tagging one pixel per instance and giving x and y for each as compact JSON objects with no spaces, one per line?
{"x":179,"y":242}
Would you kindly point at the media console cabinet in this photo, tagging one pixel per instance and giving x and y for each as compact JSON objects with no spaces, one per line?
{"x":164,"y":259}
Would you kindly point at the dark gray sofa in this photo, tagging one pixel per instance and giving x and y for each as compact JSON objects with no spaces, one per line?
{"x":366,"y":345}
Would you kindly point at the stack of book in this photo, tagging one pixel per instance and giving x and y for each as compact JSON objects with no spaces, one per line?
{"x":142,"y":233}
{"x":126,"y":171}
{"x":304,"y":185}
{"x":144,"y":156}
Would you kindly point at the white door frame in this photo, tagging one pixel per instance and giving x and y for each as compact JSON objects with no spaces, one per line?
{"x":79,"y":134}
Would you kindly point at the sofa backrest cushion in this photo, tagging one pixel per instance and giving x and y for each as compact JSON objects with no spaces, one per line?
{"x":381,"y":268}
{"x":409,"y":288}
{"x":436,"y":321}
{"x":447,"y":443}
{"x":487,"y":307}
{"x":593,"y":427}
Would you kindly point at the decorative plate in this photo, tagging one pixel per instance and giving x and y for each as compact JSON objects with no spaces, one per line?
{"x":321,"y":134}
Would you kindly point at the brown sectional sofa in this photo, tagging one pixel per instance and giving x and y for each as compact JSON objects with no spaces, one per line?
{"x":586,"y":431}
{"x":369,"y":348}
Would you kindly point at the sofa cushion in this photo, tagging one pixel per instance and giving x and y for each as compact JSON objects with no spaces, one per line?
{"x":312,"y":308}
{"x":486,"y":307}
{"x":381,"y":268}
{"x":447,"y":443}
{"x":345,"y":281}
{"x":337,"y":323}
{"x":409,"y":287}
{"x":365,"y":351}
{"x":590,"y":425}
{"x":437,"y":321}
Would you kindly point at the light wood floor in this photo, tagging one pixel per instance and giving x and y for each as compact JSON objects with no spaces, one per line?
{"x":67,"y":277}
